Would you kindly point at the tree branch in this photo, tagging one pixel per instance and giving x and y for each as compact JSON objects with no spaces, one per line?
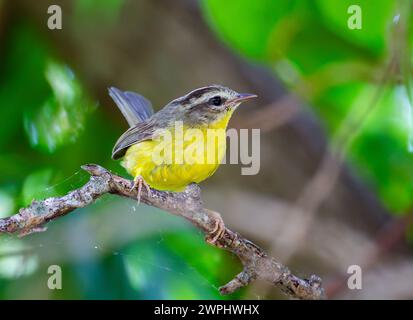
{"x":187,"y":204}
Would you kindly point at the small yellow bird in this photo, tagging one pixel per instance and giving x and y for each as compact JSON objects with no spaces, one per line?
{"x":204,"y":109}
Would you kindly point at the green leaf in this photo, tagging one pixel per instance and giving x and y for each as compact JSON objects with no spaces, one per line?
{"x":382,"y":151}
{"x":376,"y":21}
{"x":246,"y":25}
{"x":36,"y":186}
{"x":14,"y":265}
{"x":22,"y":85}
{"x":309,"y":45}
{"x":93,"y":11}
{"x":181,"y":266}
{"x":7,"y":203}
{"x":62,"y":116}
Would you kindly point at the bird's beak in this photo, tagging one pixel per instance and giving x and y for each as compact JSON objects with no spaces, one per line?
{"x":241,"y":97}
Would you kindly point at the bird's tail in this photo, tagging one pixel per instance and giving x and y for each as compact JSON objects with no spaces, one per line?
{"x":134,"y":107}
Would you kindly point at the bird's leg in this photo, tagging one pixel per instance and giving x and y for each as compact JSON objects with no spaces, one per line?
{"x":219,"y":228}
{"x":137,"y":183}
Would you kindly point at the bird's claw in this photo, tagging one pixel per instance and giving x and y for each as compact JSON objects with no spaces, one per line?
{"x":219,"y":229}
{"x":137,"y":184}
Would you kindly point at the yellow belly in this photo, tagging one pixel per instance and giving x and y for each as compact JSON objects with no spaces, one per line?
{"x":199,"y":159}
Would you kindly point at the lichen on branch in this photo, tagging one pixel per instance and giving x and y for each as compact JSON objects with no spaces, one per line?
{"x":187,"y":204}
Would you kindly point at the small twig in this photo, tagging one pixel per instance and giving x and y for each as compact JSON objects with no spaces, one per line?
{"x":187,"y":204}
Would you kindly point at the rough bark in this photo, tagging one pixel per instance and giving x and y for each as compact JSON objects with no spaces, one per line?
{"x":187,"y":204}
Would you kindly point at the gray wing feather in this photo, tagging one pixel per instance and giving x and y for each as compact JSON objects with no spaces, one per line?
{"x":140,"y":132}
{"x":134,"y":107}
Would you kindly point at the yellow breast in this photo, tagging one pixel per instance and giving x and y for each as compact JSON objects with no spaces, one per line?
{"x":195,"y":154}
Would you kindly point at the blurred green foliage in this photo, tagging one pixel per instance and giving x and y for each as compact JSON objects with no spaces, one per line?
{"x":50,"y":127}
{"x":62,"y":116}
{"x":309,"y":45}
{"x":95,"y":11}
{"x":180,"y":261}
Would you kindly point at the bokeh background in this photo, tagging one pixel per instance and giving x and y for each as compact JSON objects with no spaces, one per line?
{"x":335,"y":112}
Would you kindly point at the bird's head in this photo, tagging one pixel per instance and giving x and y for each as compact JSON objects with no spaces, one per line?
{"x":207,"y":105}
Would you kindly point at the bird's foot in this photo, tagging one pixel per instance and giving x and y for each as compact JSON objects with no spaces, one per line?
{"x":219,"y":229}
{"x":138,"y":182}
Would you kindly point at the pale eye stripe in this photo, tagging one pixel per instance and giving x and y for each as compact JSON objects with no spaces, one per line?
{"x":199,"y":94}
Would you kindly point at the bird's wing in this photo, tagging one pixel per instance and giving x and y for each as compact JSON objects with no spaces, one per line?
{"x":134,"y":107}
{"x":140,"y":132}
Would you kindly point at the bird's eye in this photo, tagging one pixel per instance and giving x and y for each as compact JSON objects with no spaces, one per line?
{"x":216,"y":101}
